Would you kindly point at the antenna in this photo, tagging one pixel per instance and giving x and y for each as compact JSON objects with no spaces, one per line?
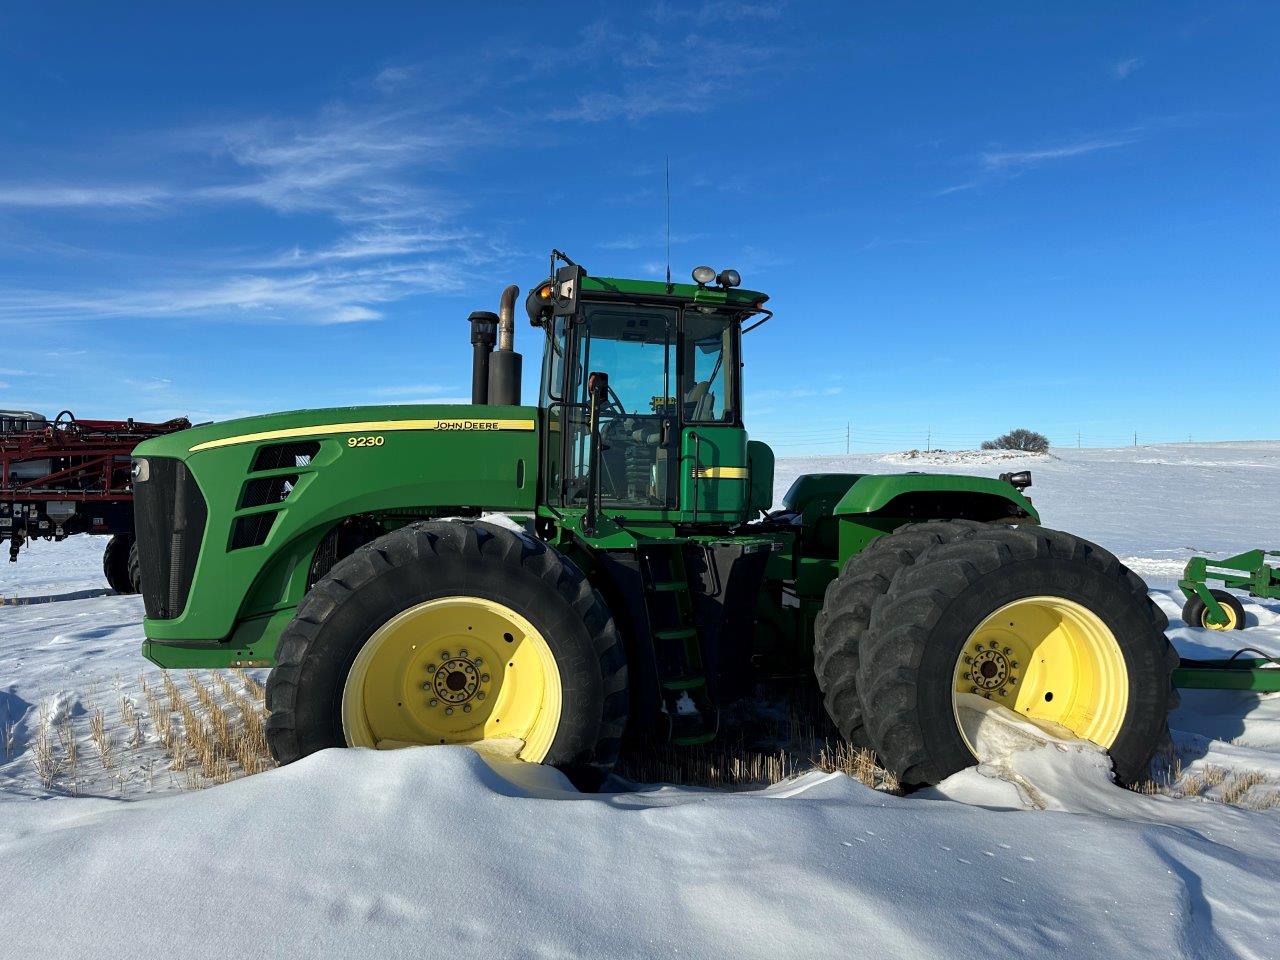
{"x":668,"y":223}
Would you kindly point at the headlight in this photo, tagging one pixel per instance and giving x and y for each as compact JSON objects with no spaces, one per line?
{"x":703,"y":275}
{"x":141,"y":469}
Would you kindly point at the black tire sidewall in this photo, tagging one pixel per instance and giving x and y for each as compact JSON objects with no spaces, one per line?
{"x":337,"y":642}
{"x":1105,"y":596}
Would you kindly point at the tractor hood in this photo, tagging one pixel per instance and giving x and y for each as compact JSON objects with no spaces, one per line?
{"x":342,"y":422}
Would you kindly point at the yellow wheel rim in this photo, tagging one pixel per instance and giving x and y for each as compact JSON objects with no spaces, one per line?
{"x":1232,"y":620}
{"x":1052,"y":660}
{"x":454,"y":670}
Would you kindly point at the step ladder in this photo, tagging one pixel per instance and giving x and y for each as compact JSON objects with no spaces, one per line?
{"x":678,"y":652}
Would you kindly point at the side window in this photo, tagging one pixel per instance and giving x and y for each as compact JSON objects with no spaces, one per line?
{"x":553,"y":363}
{"x":707,"y":381}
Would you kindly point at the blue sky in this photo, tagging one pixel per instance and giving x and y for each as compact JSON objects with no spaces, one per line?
{"x":969,"y":217}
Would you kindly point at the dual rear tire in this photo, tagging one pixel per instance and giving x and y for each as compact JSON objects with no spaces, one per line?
{"x":944,"y":619}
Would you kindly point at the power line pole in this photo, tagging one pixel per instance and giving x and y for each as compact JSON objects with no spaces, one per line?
{"x":928,"y":443}
{"x":1077,"y":439}
{"x":1135,"y":438}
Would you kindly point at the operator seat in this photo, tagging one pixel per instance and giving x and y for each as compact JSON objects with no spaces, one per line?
{"x":699,"y":402}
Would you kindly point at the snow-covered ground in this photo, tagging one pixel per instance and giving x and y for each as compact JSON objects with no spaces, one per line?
{"x":437,"y":852}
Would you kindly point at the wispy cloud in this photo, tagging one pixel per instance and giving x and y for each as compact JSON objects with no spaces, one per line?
{"x":367,"y":169}
{"x":325,"y":296}
{"x":50,"y":195}
{"x":1001,"y":161}
{"x":660,"y":74}
{"x":994,"y":165}
{"x":1124,"y":68}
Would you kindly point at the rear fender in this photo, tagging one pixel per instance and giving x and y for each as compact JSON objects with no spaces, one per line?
{"x":880,"y":503}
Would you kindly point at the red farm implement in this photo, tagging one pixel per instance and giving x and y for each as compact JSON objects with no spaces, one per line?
{"x":65,"y":476}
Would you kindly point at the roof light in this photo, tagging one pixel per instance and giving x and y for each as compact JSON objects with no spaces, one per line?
{"x":703,"y":275}
{"x":729,"y":278}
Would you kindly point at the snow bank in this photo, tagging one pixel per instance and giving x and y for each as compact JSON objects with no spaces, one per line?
{"x":437,"y":853}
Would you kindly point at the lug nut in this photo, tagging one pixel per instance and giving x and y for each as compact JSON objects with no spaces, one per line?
{"x":433,"y":702}
{"x":480,"y":695}
{"x":478,"y":661}
{"x":448,"y":711}
{"x":444,"y":654}
{"x":1007,"y":651}
{"x":968,"y":659}
{"x":973,"y":689}
{"x":462,"y":653}
{"x":467,"y":708}
{"x":484,"y":678}
{"x":1014,"y":664}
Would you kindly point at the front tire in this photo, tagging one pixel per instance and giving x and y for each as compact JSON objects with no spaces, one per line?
{"x":453,"y":632}
{"x":1051,"y":626}
{"x":119,"y":564}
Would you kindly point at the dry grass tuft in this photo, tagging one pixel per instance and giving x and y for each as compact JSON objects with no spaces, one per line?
{"x":46,"y":760}
{"x":101,"y":739}
{"x":857,"y":762}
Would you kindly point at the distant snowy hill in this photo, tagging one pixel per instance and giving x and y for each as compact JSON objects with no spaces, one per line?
{"x":437,"y":853}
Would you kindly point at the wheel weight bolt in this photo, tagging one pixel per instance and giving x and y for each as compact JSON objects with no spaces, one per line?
{"x":444,"y":654}
{"x":462,"y":653}
{"x":1007,"y":651}
{"x":1014,"y":664}
{"x":968,"y":659}
{"x":478,"y":661}
{"x":480,"y":695}
{"x":467,"y":708}
{"x":433,"y":702}
{"x":484,"y":678}
{"x":431,"y":668}
{"x":448,"y":711}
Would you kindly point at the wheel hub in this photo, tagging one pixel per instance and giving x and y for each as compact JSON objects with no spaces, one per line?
{"x":458,"y":680}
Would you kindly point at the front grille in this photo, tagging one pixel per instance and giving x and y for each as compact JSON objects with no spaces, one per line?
{"x":251,"y":531}
{"x":169,"y":515}
{"x":277,"y":455}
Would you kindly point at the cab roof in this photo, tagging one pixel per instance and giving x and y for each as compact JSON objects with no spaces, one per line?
{"x":657,"y":289}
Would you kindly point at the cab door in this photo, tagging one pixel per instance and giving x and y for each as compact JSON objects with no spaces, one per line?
{"x":636,"y":346}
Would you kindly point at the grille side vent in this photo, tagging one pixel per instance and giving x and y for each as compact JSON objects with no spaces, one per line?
{"x":251,"y":531}
{"x":278,"y":455}
{"x":263,"y":490}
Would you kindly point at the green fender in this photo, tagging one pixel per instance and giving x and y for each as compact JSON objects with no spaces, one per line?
{"x":935,"y":496}
{"x":880,"y":503}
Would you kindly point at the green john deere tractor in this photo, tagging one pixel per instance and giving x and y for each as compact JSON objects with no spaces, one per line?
{"x":543,"y":580}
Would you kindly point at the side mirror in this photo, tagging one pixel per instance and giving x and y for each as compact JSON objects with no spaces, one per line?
{"x":568,"y":284}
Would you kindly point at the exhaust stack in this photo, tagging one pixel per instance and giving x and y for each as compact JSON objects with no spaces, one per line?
{"x":484,"y":325}
{"x":504,"y":365}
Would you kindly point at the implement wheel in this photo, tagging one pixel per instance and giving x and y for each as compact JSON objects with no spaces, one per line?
{"x":450,"y":632}
{"x":846,"y":613}
{"x":120,"y":564}
{"x":1046,"y":624}
{"x":1195,"y":613}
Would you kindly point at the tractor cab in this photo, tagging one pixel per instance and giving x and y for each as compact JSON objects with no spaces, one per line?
{"x":641,"y":397}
